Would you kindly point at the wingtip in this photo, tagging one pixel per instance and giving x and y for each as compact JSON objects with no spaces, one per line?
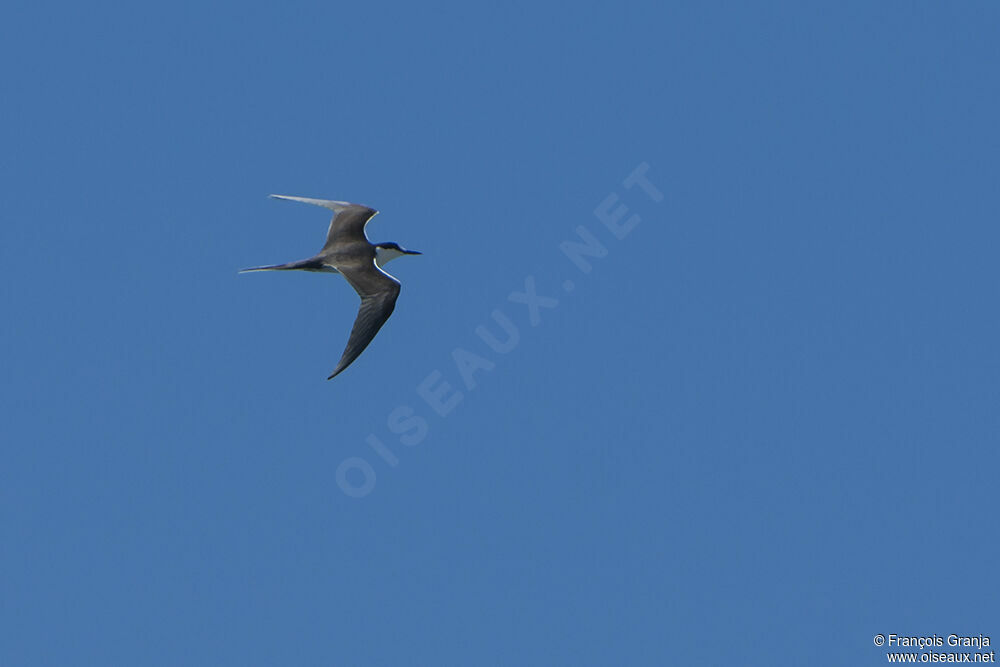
{"x":332,"y":204}
{"x":304,"y":200}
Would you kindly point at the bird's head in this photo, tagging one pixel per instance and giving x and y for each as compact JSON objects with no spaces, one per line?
{"x":385,"y":252}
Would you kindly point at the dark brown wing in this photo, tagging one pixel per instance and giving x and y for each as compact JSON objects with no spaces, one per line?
{"x":349,"y":225}
{"x":378,"y":292}
{"x":349,"y":220}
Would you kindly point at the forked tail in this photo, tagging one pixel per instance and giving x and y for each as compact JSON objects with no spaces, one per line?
{"x":311,"y":264}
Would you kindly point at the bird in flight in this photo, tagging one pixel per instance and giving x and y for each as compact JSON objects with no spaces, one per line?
{"x":348,"y":251}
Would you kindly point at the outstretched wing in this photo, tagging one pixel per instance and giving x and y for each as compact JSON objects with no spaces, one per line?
{"x":348,"y":221}
{"x":378,"y":291}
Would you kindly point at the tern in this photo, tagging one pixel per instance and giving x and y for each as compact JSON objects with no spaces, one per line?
{"x":348,"y":251}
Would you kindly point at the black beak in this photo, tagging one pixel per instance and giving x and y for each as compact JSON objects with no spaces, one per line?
{"x":412,"y":252}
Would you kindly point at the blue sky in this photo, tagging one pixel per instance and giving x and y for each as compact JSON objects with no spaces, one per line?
{"x":760,"y":430}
